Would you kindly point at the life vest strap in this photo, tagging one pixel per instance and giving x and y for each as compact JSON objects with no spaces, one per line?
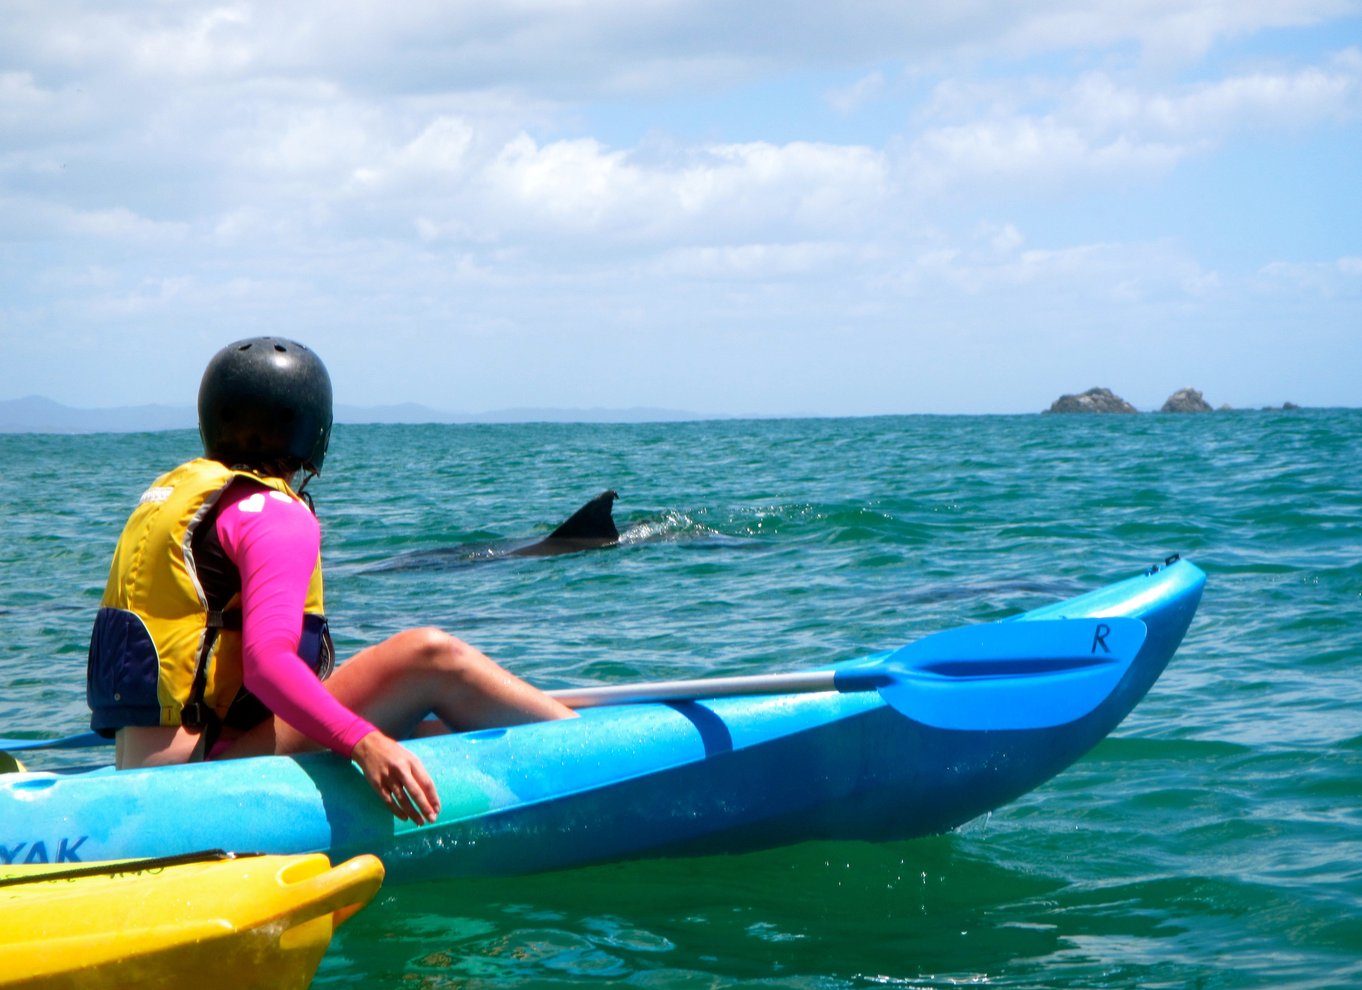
{"x":229,"y":619}
{"x":196,"y":714}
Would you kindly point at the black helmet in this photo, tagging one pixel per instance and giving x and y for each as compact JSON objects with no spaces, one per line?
{"x":265,"y":399}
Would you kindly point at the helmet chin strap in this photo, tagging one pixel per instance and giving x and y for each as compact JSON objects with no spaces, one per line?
{"x":302,"y":491}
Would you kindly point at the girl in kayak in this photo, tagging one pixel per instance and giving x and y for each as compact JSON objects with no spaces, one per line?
{"x":211,"y":638}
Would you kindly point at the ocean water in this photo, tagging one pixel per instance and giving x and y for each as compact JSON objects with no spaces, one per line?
{"x":1214,"y":841}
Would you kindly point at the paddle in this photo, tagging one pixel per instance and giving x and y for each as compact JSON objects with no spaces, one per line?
{"x":995,"y":675}
{"x":80,"y":740}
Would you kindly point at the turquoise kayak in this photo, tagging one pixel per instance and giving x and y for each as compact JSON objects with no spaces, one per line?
{"x":904,"y":744}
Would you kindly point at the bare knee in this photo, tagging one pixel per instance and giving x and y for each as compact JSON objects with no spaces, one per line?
{"x":435,"y":651}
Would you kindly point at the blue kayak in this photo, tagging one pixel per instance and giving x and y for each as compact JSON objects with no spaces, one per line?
{"x":942,"y":732}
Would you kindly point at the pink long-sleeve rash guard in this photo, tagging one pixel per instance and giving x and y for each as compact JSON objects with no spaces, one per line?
{"x":273,"y":539}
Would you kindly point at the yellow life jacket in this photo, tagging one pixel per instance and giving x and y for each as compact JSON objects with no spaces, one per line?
{"x":166,"y":645}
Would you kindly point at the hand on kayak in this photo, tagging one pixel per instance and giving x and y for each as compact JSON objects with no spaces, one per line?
{"x":399,"y":778}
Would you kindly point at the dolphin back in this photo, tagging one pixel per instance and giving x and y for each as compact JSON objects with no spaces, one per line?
{"x":589,"y":527}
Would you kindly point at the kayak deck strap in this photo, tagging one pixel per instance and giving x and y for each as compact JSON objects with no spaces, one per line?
{"x":124,"y":866}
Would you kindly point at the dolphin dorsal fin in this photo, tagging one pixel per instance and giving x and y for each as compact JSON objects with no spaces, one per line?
{"x":592,"y":521}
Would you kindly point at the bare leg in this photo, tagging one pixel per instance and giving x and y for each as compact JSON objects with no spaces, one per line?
{"x":397,"y":683}
{"x":153,"y":746}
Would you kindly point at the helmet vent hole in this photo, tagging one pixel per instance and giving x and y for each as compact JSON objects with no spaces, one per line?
{"x":281,"y":348}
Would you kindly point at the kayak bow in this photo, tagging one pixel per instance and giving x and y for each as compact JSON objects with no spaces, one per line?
{"x":221,"y":921}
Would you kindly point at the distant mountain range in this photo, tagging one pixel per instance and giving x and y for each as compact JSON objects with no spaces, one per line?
{"x":36,"y":414}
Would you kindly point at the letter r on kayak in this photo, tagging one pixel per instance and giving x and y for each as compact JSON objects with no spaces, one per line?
{"x":1099,"y":638}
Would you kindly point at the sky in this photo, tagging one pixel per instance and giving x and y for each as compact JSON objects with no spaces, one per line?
{"x":754,"y":208}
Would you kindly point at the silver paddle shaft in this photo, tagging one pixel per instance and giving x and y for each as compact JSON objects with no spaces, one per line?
{"x":794,"y":682}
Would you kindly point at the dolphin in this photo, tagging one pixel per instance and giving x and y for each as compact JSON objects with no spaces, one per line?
{"x":590,"y":527}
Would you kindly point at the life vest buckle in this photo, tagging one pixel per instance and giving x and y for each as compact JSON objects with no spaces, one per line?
{"x":197,"y":715}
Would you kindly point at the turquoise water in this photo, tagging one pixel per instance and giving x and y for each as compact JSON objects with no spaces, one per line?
{"x":1214,"y":841}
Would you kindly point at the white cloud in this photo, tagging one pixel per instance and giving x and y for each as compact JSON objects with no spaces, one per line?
{"x":20,"y":97}
{"x":1260,"y":100}
{"x":212,"y":39}
{"x":849,"y":99}
{"x":1004,"y":239}
{"x":596,"y":47}
{"x":1164,"y":29}
{"x":30,"y":221}
{"x":745,"y":262}
{"x":441,"y":148}
{"x":1046,"y":150}
{"x":996,"y":263}
{"x":322,"y":142}
{"x":723,"y":194}
{"x":1341,"y":277}
{"x":123,"y":225}
{"x":1048,"y":132}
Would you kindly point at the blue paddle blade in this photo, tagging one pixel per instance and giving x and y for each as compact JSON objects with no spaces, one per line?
{"x":1010,"y":675}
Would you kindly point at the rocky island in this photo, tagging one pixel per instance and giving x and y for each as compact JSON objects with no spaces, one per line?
{"x":1186,"y":400}
{"x":1104,"y":400}
{"x":1094,"y":400}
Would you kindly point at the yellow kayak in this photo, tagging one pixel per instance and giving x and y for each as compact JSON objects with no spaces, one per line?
{"x":203,"y":921}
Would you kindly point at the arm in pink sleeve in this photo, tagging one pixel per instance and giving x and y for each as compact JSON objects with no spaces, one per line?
{"x":273,"y":540}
